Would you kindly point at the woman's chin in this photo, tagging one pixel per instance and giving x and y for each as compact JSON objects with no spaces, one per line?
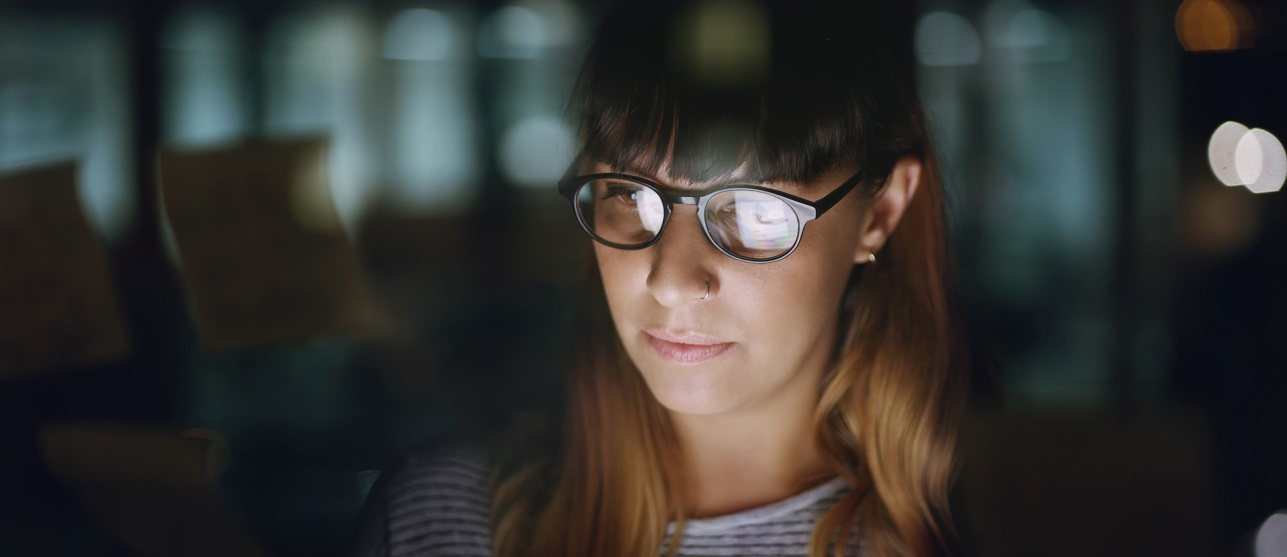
{"x":698,"y":398}
{"x":691,"y":407}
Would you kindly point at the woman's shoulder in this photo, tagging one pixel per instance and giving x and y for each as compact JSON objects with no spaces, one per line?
{"x":439,"y":478}
{"x":433,"y":502}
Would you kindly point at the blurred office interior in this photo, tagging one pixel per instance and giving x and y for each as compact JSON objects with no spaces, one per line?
{"x":412,"y":272}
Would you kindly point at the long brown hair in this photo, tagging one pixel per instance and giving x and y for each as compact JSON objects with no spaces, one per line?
{"x":830,"y":93}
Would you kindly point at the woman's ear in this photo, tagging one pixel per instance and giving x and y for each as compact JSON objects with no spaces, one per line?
{"x":887,"y":207}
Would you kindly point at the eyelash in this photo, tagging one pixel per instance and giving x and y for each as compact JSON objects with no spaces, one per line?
{"x":616,"y":191}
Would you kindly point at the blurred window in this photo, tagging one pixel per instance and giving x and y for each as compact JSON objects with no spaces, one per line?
{"x":203,"y":96}
{"x":1021,"y":100}
{"x":319,"y":79}
{"x":64,"y":94}
{"x":430,"y":160}
{"x":532,"y":48}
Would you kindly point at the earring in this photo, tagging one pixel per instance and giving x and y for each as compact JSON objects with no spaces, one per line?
{"x":871,"y":258}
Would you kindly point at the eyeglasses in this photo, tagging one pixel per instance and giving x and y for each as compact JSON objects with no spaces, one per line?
{"x":748,"y":223}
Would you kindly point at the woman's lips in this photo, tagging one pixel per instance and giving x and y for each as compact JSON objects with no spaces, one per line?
{"x":686,"y":349}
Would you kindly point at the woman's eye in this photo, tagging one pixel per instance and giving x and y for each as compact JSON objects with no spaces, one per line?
{"x":628,"y":194}
{"x":726,"y":212}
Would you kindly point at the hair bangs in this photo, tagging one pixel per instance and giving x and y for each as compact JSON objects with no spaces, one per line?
{"x":643,"y":108}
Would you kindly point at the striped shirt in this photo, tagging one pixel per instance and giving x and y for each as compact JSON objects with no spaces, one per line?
{"x":436,"y":505}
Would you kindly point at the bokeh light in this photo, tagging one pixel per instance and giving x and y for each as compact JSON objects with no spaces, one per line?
{"x":1261,"y":162}
{"x":524,"y":30}
{"x":1217,"y":222}
{"x":1221,"y":149}
{"x":1252,"y":158}
{"x":512,"y":32}
{"x":1027,"y":33}
{"x":1214,"y":25}
{"x":946,"y":39}
{"x":419,"y":34}
{"x":1271,"y":539}
{"x":536,"y":151}
{"x":724,"y":42}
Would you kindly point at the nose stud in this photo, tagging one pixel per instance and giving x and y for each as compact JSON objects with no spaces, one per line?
{"x":708,"y":290}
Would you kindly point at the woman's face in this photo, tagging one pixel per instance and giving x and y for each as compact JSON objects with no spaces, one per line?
{"x":764,"y":332}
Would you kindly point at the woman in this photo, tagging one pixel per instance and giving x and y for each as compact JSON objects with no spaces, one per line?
{"x":768,"y":363}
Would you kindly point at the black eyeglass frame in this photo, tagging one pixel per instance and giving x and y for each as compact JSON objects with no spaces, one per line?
{"x":805,"y":210}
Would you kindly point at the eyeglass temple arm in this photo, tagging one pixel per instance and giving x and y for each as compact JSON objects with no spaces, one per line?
{"x":822,"y":205}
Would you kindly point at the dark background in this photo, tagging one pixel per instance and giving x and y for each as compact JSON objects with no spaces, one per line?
{"x":1128,"y":310}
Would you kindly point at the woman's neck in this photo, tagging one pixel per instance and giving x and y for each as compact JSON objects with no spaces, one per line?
{"x":752,"y":457}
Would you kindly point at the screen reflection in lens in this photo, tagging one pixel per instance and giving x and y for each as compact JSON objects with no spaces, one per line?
{"x":621,"y":212}
{"x":752,"y":224}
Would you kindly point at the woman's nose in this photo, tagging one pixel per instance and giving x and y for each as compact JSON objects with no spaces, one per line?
{"x":681,"y":269}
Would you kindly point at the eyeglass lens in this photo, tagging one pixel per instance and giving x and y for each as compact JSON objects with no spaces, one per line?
{"x":748,"y":224}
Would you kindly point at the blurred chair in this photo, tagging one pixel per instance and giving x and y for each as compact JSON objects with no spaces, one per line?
{"x":58,"y":307}
{"x":151,"y":486}
{"x":262,"y":251}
